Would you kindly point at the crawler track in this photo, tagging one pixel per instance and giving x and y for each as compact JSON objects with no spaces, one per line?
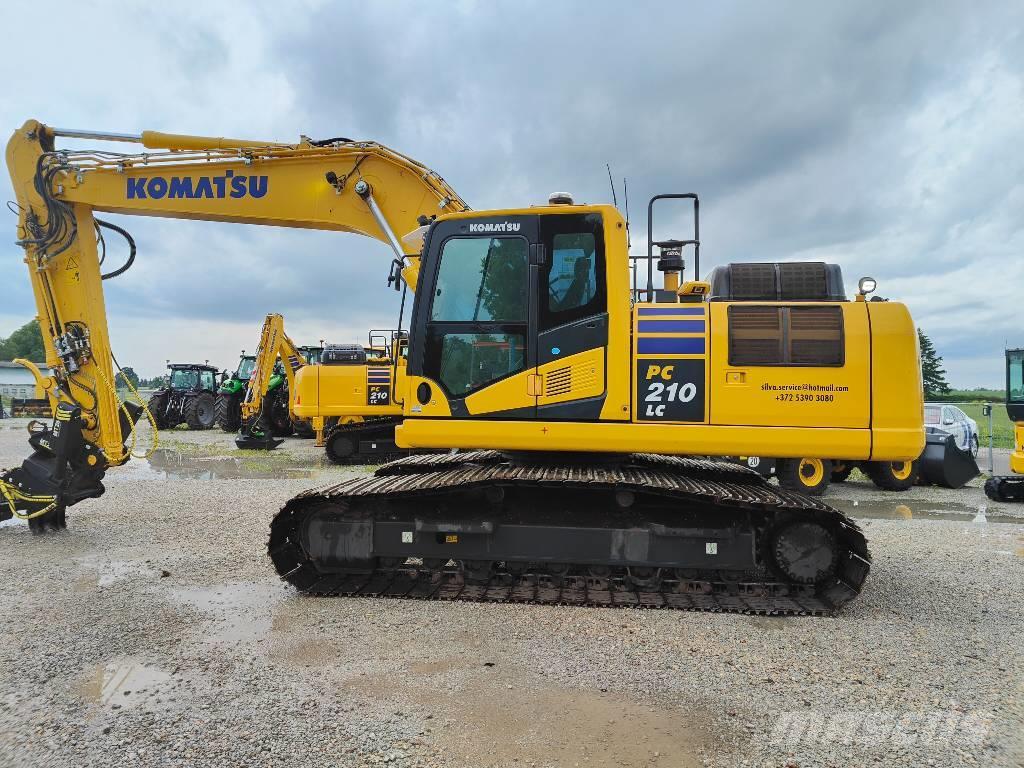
{"x":364,"y":442}
{"x":646,"y":532}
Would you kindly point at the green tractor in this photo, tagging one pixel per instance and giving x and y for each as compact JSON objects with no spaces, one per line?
{"x":189,"y":397}
{"x":232,"y":392}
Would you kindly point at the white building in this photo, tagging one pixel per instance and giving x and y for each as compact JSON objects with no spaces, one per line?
{"x":17,"y":381}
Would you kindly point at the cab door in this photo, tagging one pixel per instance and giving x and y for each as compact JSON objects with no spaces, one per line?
{"x":572,"y":317}
{"x":477,"y":313}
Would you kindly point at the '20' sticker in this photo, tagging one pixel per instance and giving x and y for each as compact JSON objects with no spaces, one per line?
{"x":670,"y":390}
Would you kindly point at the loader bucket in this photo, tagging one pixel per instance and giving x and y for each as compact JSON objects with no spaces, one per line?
{"x":943,"y":463}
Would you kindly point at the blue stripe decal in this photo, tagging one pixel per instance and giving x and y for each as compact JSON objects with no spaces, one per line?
{"x":671,"y":311}
{"x":678,"y":346}
{"x":671,"y":326}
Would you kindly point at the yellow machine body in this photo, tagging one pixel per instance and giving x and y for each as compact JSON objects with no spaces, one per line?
{"x":551,"y":378}
{"x":350,"y":392}
{"x":866,"y":404}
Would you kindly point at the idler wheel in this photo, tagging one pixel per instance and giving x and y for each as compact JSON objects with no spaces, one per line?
{"x":806,"y":552}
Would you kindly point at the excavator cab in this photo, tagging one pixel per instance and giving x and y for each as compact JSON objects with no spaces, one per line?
{"x":512,"y":317}
{"x":1011,"y":487}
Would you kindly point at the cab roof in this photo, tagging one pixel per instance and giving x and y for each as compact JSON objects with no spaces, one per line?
{"x":200,"y":366}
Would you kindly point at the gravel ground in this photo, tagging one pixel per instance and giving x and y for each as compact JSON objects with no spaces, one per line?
{"x":153,"y":632}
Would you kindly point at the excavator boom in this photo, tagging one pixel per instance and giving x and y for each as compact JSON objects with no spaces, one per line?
{"x":340,"y":185}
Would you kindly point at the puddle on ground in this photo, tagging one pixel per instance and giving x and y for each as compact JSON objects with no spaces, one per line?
{"x":240,"y":612}
{"x":124,"y":683}
{"x":922,"y":510}
{"x":512,"y":722}
{"x":168,"y":463}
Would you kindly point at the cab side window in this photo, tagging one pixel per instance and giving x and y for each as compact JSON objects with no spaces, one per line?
{"x":573,"y":271}
{"x":572,"y":280}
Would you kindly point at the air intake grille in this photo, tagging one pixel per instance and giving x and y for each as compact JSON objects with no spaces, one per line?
{"x":798,"y":336}
{"x":755,"y":336}
{"x":752,"y":281}
{"x":803,"y":281}
{"x":815,"y":336}
{"x":558,"y":382}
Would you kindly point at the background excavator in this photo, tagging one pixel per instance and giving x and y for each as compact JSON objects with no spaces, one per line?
{"x":233,"y":389}
{"x":583,"y":397}
{"x":1011,"y":487}
{"x":266,"y":407}
{"x":346,"y":397}
{"x":351,"y":398}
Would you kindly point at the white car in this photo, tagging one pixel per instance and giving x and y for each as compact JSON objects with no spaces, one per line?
{"x":949,"y":418}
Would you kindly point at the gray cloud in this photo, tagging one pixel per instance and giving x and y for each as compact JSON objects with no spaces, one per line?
{"x":881,"y":136}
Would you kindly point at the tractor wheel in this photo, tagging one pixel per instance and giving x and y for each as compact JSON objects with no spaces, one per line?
{"x":340,"y":446}
{"x":303,"y":428}
{"x":810,"y":476}
{"x":228,"y":410}
{"x":200,"y":412}
{"x":892,"y":475}
{"x":158,"y":407}
{"x":841,"y":470}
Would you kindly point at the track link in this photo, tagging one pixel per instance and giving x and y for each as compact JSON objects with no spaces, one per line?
{"x":342,"y":539}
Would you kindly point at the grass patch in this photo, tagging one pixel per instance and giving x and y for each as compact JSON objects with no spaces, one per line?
{"x":1002,"y":427}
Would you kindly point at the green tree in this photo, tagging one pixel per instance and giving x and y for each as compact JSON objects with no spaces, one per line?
{"x":932,"y":372}
{"x":26,"y":342}
{"x":127,"y":374}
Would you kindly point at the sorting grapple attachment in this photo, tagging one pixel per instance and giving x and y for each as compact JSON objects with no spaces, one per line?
{"x":649,"y":530}
{"x":64,"y":469}
{"x":943,"y":463}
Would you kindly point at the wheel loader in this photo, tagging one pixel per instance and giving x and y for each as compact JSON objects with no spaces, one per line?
{"x":189,"y":397}
{"x":582,"y":406}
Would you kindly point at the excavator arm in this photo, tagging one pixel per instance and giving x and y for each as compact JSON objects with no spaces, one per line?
{"x":338,"y":184}
{"x":274,"y":343}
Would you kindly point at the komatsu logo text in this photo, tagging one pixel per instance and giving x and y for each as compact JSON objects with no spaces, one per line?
{"x":503,"y":226}
{"x":191,"y":188}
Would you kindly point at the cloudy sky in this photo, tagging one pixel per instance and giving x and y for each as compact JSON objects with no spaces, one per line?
{"x":886,"y":137}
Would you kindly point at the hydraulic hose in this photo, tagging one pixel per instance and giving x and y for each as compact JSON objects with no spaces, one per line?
{"x":131,"y":252}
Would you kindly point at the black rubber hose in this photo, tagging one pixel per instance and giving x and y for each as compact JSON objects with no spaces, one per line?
{"x":131,"y":246}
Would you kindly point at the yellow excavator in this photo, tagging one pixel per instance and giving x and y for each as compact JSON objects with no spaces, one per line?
{"x":351,"y":398}
{"x":589,"y":404}
{"x":347,"y":398}
{"x":1011,"y":487}
{"x":257,"y":416}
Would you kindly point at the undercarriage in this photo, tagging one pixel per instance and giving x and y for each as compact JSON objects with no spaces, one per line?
{"x":644,"y":530}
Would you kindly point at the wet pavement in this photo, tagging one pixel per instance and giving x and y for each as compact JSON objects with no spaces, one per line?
{"x":897,"y":509}
{"x":168,"y":463}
